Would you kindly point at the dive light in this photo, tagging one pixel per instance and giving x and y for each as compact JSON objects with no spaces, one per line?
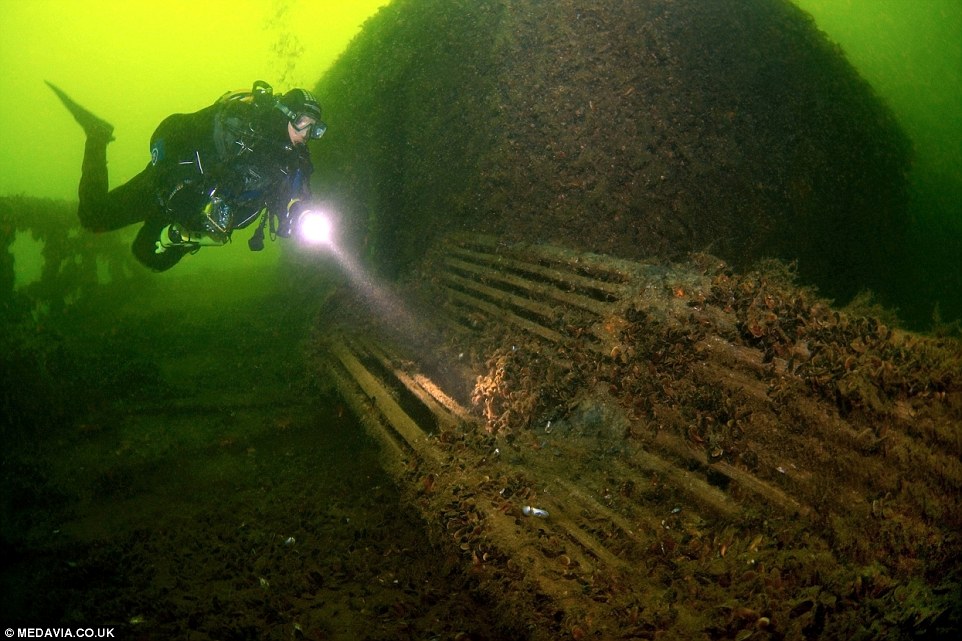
{"x":314,"y":227}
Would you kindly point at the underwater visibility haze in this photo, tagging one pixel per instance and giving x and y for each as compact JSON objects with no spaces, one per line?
{"x":911,"y":53}
{"x":640,"y":320}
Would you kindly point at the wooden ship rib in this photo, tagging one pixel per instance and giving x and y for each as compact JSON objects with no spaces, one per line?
{"x":629,"y":450}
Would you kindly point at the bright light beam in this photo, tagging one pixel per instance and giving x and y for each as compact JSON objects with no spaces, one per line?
{"x":315,"y":228}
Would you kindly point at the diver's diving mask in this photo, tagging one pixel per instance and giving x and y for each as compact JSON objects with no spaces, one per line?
{"x":316,"y":128}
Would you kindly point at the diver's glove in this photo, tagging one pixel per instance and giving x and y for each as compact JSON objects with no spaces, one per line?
{"x":288,"y":223}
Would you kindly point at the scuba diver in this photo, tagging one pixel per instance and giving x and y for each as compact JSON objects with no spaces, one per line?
{"x":219,"y":169}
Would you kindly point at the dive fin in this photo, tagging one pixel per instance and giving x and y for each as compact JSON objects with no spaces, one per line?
{"x":93,"y":126}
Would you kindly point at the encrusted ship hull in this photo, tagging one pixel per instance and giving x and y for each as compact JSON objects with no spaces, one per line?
{"x":630,"y":450}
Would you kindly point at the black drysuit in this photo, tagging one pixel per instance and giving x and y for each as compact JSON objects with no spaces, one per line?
{"x":211,"y":171}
